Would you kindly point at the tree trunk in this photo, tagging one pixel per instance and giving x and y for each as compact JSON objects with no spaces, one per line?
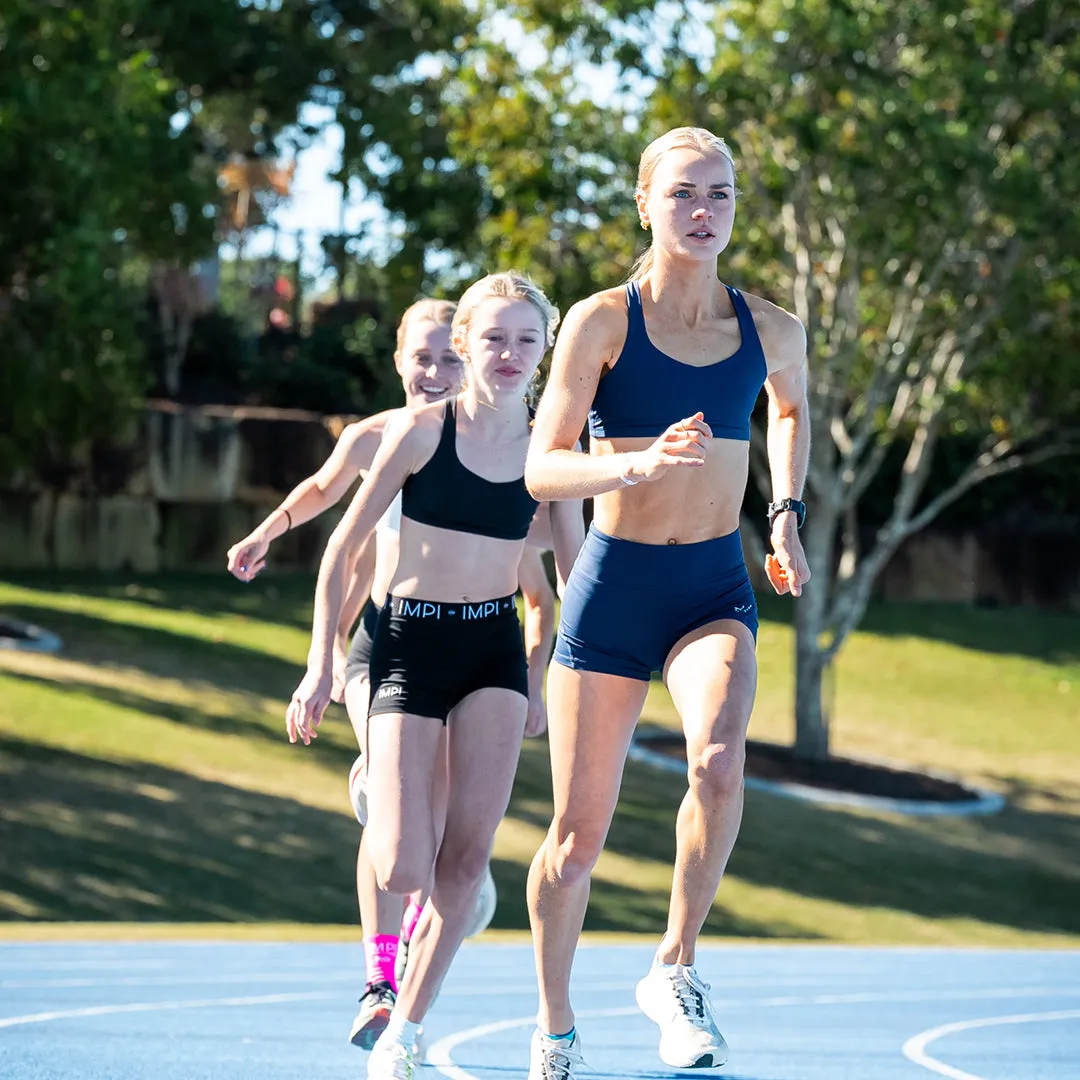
{"x":811,"y":717}
{"x":811,"y":613}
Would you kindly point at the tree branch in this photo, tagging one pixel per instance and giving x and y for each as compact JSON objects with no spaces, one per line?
{"x":851,"y":597}
{"x":999,"y":459}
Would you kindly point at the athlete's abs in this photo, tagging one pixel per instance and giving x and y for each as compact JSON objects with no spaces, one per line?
{"x":690,"y":504}
{"x":440,"y":564}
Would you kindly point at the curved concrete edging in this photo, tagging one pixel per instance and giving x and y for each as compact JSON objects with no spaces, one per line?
{"x":982,"y":803}
{"x":36,"y":640}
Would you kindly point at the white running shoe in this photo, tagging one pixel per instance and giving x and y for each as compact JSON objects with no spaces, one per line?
{"x":375,"y":1008}
{"x":674,"y":997}
{"x":420,"y":1047}
{"x":555,"y":1059}
{"x":358,"y":789}
{"x":484,"y":909}
{"x":391,"y":1061}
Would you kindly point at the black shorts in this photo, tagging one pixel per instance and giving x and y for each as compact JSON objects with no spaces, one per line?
{"x":427,"y":657}
{"x":359,"y":658}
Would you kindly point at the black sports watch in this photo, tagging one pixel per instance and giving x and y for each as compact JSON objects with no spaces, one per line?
{"x":783,"y":505}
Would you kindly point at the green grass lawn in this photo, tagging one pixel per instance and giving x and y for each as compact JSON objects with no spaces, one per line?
{"x":145,"y":779}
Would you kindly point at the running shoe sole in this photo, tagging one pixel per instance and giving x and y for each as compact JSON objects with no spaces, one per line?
{"x":367,"y":1036}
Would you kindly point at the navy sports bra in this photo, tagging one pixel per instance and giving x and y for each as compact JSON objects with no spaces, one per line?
{"x":447,"y":495}
{"x":646,"y":391}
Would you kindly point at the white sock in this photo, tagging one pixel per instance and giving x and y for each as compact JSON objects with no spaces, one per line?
{"x":400,"y":1030}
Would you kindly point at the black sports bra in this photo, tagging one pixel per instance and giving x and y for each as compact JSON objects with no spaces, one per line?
{"x":447,"y":495}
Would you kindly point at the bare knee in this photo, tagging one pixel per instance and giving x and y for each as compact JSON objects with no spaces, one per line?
{"x":399,"y":875}
{"x":460,"y":868}
{"x":573,"y":852}
{"x":715,"y":771}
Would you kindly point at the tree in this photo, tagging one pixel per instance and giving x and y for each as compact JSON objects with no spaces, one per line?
{"x":507,"y":160}
{"x":115,"y":121}
{"x":91,"y":170}
{"x":911,"y":191}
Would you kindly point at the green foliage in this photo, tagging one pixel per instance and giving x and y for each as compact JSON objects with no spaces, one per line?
{"x":90,"y":168}
{"x":912,"y":193}
{"x":114,"y":120}
{"x":922,"y":144}
{"x":71,"y":374}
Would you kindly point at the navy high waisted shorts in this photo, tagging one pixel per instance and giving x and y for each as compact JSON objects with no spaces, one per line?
{"x":628,"y":604}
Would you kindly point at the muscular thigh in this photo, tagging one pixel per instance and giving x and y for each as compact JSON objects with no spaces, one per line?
{"x":403,"y":755}
{"x":711,"y":674}
{"x":484,"y":735}
{"x":591,"y":719}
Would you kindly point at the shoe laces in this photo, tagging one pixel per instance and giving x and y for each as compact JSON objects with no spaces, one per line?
{"x":560,"y":1060}
{"x":377,"y":992}
{"x":690,"y":992}
{"x":402,"y":1059}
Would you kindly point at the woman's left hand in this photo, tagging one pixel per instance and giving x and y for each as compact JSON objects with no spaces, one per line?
{"x":787,"y":569}
{"x":308,"y":705}
{"x":536,"y":717}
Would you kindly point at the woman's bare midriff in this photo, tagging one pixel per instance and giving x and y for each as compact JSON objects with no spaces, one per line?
{"x":690,"y":504}
{"x":443,"y":565}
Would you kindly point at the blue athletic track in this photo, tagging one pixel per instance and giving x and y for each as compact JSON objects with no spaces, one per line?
{"x":211,"y":1011}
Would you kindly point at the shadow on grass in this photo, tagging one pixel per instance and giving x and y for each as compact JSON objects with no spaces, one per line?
{"x":285,"y":599}
{"x":1053,"y":637}
{"x":82,"y":838}
{"x":257,"y":725}
{"x":223,"y":665}
{"x":1016,"y":869}
{"x":281,"y":598}
{"x":85,"y":839}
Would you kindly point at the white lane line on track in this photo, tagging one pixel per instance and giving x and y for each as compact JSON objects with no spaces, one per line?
{"x":440,"y":1054}
{"x":171,"y":980}
{"x":162,"y":1006}
{"x":915,"y":1048}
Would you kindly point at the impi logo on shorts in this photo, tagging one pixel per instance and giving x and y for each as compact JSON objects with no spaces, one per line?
{"x":425,"y":609}
{"x":392,"y":690}
{"x":422,"y":609}
{"x":480,"y":611}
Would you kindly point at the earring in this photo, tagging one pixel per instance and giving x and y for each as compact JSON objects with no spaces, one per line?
{"x":644,"y":223}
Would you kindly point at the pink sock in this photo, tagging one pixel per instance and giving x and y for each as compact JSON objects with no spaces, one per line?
{"x":380,"y":952}
{"x":412,"y":917}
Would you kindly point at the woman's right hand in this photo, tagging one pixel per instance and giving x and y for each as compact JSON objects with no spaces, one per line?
{"x":685,"y":443}
{"x":308,"y":703}
{"x":248,"y":557}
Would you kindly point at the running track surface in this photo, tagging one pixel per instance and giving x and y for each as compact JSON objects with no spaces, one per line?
{"x":210,"y":1011}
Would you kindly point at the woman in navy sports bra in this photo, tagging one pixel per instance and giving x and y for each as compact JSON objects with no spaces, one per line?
{"x":447,"y":648}
{"x":666,"y":371}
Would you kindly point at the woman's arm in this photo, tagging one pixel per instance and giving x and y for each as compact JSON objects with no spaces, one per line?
{"x":788,"y":446}
{"x":396,"y":458}
{"x":567,"y":536}
{"x":539,"y":631}
{"x":352,"y":454}
{"x":589,"y":340}
{"x":360,"y":576}
{"x":554,"y":469}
